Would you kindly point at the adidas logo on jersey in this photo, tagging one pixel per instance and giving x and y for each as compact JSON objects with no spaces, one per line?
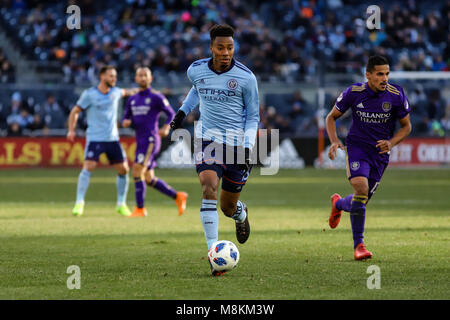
{"x":360,"y":105}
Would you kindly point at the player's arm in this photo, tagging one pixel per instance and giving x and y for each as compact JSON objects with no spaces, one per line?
{"x":170,"y":114}
{"x":251,"y":102}
{"x":404,"y":131}
{"x":126,"y":120}
{"x":330,"y":123}
{"x":129,"y":92}
{"x":190,"y":102}
{"x":72,"y":122}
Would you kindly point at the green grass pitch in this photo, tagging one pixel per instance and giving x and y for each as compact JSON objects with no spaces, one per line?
{"x":291,"y":252}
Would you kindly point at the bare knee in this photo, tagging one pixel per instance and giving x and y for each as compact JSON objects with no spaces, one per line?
{"x":137,"y":171}
{"x":360,"y":186}
{"x":150,"y":176}
{"x":209,"y":191}
{"x":89,"y":165}
{"x":122,"y":168}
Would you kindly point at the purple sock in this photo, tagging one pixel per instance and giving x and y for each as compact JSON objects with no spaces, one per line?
{"x":163,"y":187}
{"x":345,"y":203}
{"x":140,"y":188}
{"x":358,"y":218}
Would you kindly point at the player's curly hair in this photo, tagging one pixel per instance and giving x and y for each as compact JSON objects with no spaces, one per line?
{"x":375,"y":60}
{"x":221,"y":30}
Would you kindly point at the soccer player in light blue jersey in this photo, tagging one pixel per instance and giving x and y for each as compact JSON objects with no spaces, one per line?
{"x":227,"y":93}
{"x":101,"y":105}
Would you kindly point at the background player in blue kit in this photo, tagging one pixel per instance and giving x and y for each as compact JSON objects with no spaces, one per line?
{"x":143,"y":109}
{"x":101,"y":104}
{"x":376,"y":106}
{"x":227,"y":92}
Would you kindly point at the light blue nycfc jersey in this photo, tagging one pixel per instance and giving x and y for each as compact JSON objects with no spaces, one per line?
{"x":229,"y":103}
{"x":101,"y":113}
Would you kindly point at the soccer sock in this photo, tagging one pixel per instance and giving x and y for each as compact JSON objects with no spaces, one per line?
{"x":122,"y":182}
{"x":345,"y":203}
{"x":140,"y":189}
{"x":240,"y":213}
{"x":358,"y":218}
{"x":83,"y":184}
{"x":163,"y":187}
{"x":210,"y":221}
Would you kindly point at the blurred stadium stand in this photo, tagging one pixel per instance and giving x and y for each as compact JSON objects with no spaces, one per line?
{"x":292,"y":46}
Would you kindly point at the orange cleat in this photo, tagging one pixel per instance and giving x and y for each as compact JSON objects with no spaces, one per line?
{"x":139,"y":212}
{"x":180,"y":200}
{"x":335,"y":215}
{"x":361,"y":253}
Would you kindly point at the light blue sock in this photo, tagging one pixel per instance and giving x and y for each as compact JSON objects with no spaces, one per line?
{"x":83,"y":184}
{"x":122,"y":183}
{"x":210,"y":221}
{"x":240,"y":213}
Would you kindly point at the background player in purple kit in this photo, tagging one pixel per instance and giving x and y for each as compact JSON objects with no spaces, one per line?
{"x":376,"y":106}
{"x":143,"y":109}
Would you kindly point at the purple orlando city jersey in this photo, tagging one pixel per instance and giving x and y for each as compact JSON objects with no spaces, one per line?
{"x":374,"y":115}
{"x":143,"y":109}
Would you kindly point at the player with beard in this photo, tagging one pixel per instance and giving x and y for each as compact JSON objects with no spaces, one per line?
{"x":101,"y":105}
{"x":143,"y":110}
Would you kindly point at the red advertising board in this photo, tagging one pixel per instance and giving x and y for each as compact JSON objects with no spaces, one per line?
{"x":421,"y":152}
{"x":51,"y":152}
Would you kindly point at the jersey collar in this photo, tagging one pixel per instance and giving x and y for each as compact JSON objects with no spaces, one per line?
{"x":371,"y":92}
{"x":220,"y":72}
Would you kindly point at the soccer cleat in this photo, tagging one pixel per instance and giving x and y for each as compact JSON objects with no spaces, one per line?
{"x":123,"y":210}
{"x":180,"y":200}
{"x":139,"y":212}
{"x":335,"y":215}
{"x":362,"y":253}
{"x":243,"y":228}
{"x":78,"y":209}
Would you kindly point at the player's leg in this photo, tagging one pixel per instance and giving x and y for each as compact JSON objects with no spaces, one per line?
{"x":82,"y":186}
{"x":122,"y":184}
{"x":92,"y":153}
{"x":209,"y":181}
{"x":117,"y":157}
{"x":233,"y":208}
{"x":358,"y":216}
{"x":234,"y":179}
{"x":138,"y":172}
{"x":159,"y":184}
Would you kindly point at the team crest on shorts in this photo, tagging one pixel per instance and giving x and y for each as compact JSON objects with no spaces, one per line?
{"x":386,"y":106}
{"x":354,"y":165}
{"x":232,"y":84}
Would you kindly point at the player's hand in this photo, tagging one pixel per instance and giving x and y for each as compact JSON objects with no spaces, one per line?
{"x":246,"y":165}
{"x":71,"y":136}
{"x":333,"y":149}
{"x":178,"y":120}
{"x":164,"y":131}
{"x":126,"y":123}
{"x":384,"y":145}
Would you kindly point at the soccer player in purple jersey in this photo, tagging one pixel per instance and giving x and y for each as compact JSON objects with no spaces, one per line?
{"x":376,"y":106}
{"x":143,"y":109}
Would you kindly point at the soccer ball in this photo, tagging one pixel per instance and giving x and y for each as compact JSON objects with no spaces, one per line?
{"x":223,"y":255}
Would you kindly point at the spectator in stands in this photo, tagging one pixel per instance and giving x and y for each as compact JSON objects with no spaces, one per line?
{"x":55,"y":117}
{"x":14,"y":130}
{"x":7,"y":74}
{"x":37,"y":123}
